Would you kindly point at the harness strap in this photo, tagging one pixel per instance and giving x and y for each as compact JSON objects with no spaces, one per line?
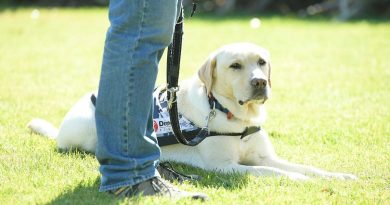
{"x":164,"y":141}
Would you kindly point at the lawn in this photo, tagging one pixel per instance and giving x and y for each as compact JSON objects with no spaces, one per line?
{"x":330,"y":106}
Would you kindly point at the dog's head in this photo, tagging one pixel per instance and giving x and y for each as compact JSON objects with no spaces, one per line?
{"x":239,"y":72}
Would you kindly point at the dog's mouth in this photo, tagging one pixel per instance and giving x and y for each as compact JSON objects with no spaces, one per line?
{"x":256,"y":100}
{"x":259,"y":96}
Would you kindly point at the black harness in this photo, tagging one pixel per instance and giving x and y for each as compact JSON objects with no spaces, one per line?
{"x":169,"y":137}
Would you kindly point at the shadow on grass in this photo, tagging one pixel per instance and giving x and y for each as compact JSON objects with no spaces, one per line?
{"x":229,"y":181}
{"x":208,"y":178}
{"x":87,"y":193}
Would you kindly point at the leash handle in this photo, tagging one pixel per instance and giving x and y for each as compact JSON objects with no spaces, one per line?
{"x":174,"y":53}
{"x":193,"y":7}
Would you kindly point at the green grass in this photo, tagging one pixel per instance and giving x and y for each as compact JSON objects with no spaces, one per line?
{"x":330,"y":106}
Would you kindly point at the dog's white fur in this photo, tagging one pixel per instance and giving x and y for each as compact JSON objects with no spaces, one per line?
{"x":254,"y":154}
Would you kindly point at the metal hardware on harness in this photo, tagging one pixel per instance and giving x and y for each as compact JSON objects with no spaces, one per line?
{"x":172,"y":92}
{"x":209,"y":117}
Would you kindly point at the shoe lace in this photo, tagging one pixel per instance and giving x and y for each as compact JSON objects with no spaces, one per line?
{"x":159,"y":185}
{"x":125,"y":191}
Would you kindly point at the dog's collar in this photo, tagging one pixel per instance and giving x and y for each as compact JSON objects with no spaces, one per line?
{"x":213,"y":102}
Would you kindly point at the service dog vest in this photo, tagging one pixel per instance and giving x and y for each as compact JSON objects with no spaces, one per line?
{"x":161,"y":122}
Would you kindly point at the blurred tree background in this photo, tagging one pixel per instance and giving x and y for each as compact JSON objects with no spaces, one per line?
{"x":341,"y":9}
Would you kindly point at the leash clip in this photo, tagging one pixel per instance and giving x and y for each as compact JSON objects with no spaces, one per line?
{"x":172,"y":93}
{"x":209,"y":117}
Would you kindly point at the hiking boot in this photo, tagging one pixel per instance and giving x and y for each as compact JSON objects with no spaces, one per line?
{"x":168,"y":173}
{"x":155,"y":186}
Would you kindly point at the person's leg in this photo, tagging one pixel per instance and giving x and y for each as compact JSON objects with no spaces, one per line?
{"x":139,"y":31}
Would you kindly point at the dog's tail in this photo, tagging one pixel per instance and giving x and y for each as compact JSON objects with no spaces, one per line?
{"x":43,"y":127}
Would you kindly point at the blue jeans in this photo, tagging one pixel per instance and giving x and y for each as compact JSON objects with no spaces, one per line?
{"x":127,"y":148}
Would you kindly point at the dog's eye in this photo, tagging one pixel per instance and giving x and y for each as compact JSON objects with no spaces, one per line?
{"x":236,"y":66}
{"x":261,"y":62}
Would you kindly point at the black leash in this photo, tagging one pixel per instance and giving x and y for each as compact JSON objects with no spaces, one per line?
{"x":173,"y":68}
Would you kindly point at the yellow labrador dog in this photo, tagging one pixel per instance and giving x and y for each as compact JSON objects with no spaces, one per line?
{"x":237,"y":78}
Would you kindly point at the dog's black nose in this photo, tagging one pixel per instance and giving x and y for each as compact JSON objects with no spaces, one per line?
{"x":259,"y":83}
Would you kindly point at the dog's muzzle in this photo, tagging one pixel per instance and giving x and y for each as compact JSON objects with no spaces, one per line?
{"x":259,"y":92}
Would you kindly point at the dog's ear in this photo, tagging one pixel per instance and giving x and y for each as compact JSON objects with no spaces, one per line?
{"x":206,"y":71}
{"x":269,"y":73}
